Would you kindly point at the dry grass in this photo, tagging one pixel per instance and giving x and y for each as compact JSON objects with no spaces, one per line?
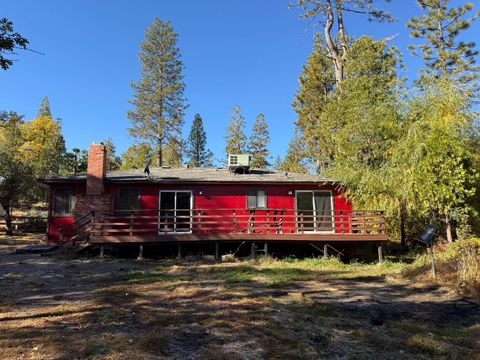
{"x":264,"y":309}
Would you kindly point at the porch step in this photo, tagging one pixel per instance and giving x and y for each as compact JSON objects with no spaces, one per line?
{"x":256,"y":250}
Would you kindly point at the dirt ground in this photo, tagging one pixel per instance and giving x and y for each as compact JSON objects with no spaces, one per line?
{"x":90,"y":308}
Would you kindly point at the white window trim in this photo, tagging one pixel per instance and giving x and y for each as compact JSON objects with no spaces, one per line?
{"x":191,"y":211}
{"x":333,"y":212}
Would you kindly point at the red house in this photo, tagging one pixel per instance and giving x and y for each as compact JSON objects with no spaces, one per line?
{"x":214,"y":205}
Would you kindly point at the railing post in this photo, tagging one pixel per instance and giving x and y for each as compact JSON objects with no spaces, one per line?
{"x":199,"y":221}
{"x":380,"y":253}
{"x":301,"y":223}
{"x":268,"y":221}
{"x":234,"y":221}
{"x":131,"y":225}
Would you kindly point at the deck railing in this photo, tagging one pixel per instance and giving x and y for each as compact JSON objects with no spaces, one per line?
{"x":237,"y":221}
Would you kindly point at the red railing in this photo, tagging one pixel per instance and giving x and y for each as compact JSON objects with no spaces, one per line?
{"x":238,"y":221}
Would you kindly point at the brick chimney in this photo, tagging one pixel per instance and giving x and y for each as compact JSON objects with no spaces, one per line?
{"x":97,"y":169}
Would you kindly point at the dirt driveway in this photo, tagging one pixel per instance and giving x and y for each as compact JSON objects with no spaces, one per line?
{"x":91,"y":308}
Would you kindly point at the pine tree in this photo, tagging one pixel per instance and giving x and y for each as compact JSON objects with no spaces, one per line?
{"x":114,"y":162}
{"x":44,"y":109}
{"x":444,"y":55}
{"x":137,"y":156}
{"x":197,"y":153}
{"x":159,"y":102}
{"x":277,"y":164}
{"x":295,"y":158}
{"x":235,"y":138}
{"x":173,"y":152}
{"x":258,"y":142}
{"x":317,"y":81}
{"x":331,"y":12}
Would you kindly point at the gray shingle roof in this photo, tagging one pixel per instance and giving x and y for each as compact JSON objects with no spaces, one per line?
{"x":187,"y":175}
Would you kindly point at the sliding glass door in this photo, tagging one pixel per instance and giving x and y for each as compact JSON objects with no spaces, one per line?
{"x":314,"y":211}
{"x":175,"y":215}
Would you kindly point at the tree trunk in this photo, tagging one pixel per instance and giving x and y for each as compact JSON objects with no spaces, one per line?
{"x":8,"y":221}
{"x":403,"y":218}
{"x":160,"y":153}
{"x":448,"y":222}
{"x":334,"y":53}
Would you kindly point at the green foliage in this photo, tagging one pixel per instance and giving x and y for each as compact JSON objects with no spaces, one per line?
{"x":158,"y":100}
{"x":114,"y":162}
{"x":317,"y":81}
{"x":172,"y":151}
{"x":136,"y":156}
{"x":44,"y":109}
{"x":9,"y":41}
{"x":235,"y":138}
{"x":17,"y":177}
{"x":197,"y":152}
{"x":257,"y":145}
{"x":438,"y":27}
{"x":295,"y":159}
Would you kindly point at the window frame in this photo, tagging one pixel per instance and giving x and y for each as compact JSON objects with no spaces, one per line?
{"x":54,"y":207}
{"x":256,"y":207}
{"x":332,"y":205}
{"x":127,"y":212}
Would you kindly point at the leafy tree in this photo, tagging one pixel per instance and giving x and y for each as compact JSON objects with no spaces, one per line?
{"x":439,"y":28}
{"x":44,"y":109}
{"x":235,"y":138}
{"x":435,"y":155}
{"x":114,"y":162}
{"x":258,"y":142}
{"x":44,"y":145}
{"x":198,"y":154}
{"x":158,"y":101}
{"x":136,"y":156}
{"x":331,"y":13}
{"x":295,"y":158}
{"x":9,"y":41}
{"x":16,"y":175}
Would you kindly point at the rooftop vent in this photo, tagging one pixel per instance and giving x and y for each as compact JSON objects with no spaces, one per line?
{"x":239,"y":163}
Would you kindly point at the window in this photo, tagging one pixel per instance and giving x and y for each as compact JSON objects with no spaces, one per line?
{"x":256,"y":199}
{"x":64,"y":202}
{"x":315,"y":210}
{"x":128,"y":199}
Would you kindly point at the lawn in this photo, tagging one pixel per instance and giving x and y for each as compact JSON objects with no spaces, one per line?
{"x":112,"y":308}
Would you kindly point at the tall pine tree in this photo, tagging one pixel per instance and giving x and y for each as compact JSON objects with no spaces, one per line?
{"x":159,"y":102}
{"x":235,"y":138}
{"x":258,"y":143}
{"x":197,"y":152}
{"x":44,"y":109}
{"x":444,"y":55}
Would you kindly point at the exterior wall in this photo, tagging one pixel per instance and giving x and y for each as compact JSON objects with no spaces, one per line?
{"x":214,"y":196}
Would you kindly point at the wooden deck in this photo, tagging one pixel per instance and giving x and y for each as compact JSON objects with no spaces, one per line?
{"x":227,"y":225}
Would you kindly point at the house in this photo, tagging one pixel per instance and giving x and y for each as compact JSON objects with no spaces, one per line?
{"x":209,"y":205}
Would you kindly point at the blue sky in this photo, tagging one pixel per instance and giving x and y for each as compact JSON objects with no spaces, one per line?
{"x":247,"y":52}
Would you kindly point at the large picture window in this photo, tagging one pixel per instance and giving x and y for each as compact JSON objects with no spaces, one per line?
{"x":64,"y":202}
{"x":314,"y":210}
{"x":128,"y":200}
{"x":256,"y":199}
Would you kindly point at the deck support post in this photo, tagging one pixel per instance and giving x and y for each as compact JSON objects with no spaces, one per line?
{"x":102,"y":251}
{"x":253,"y":252}
{"x":325,"y":251}
{"x":380,"y":254}
{"x":179,"y":250}
{"x":217,"y":251}
{"x":140,"y":253}
{"x":266,"y":248}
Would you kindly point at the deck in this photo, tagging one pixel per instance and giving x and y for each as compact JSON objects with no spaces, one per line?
{"x":223,"y":225}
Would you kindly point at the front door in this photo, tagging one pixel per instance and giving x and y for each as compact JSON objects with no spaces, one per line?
{"x":175,"y":214}
{"x":314,"y":211}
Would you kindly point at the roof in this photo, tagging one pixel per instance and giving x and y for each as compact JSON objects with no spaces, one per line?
{"x":193,"y":175}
